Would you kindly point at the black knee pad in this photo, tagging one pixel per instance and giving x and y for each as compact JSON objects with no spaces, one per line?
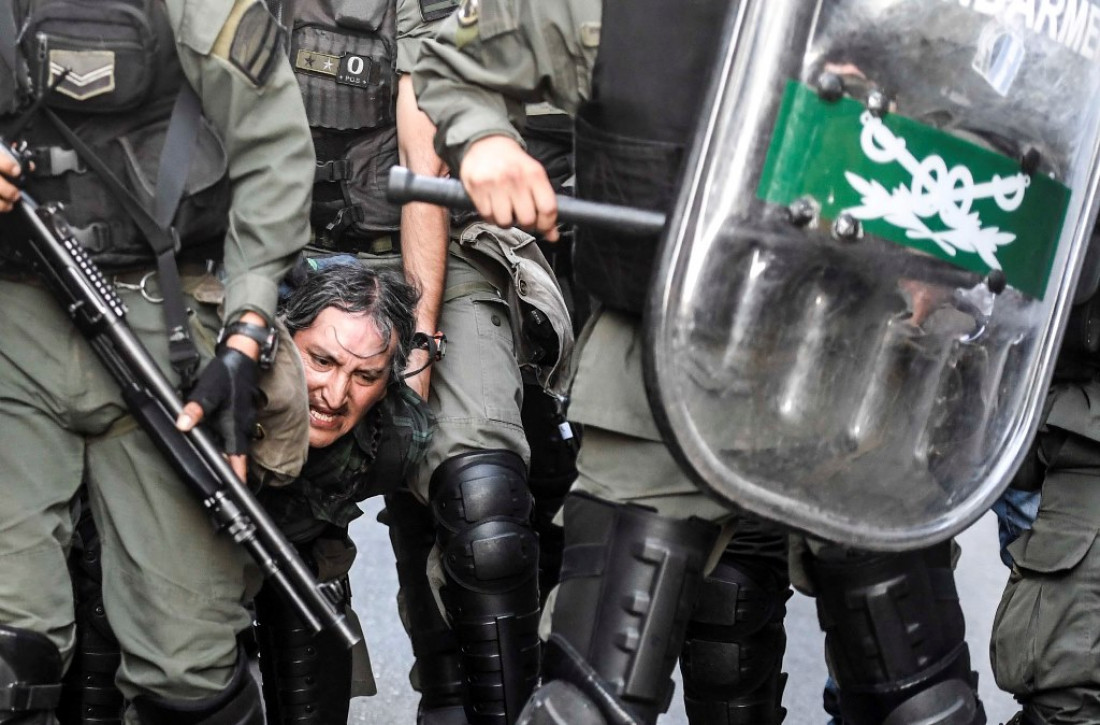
{"x":30,"y":677}
{"x":893,"y":627}
{"x":238,"y":704}
{"x":630,"y":578}
{"x":473,"y":487}
{"x":482,"y":510}
{"x":733,"y":653}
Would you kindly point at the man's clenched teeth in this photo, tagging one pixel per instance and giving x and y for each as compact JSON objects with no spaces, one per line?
{"x":321,"y":418}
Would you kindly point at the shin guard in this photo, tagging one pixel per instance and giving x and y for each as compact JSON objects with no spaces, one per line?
{"x":894,"y":632}
{"x":482,"y":510}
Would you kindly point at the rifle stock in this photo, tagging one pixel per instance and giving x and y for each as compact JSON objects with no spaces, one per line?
{"x":100,"y":315}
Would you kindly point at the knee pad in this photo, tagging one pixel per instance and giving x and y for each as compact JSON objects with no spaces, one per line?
{"x":733,"y":653}
{"x":238,"y":704}
{"x":893,"y":627}
{"x":30,"y":677}
{"x":629,"y":580}
{"x":476,"y":486}
{"x":483,"y":508}
{"x":489,"y":553}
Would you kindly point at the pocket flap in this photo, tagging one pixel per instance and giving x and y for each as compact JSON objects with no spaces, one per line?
{"x":1054,"y":544}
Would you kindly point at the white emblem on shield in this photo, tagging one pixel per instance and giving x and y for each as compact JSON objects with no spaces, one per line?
{"x":936,"y":190}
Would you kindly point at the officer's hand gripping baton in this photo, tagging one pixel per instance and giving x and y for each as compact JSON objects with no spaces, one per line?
{"x":99,"y":313}
{"x":405,"y":186}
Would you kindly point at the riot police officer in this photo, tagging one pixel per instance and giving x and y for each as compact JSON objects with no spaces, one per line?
{"x":212,"y":80}
{"x":637,"y":537}
{"x":474,"y":477}
{"x":1042,"y":654}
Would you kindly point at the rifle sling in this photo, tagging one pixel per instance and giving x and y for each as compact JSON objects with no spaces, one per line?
{"x":175,"y":163}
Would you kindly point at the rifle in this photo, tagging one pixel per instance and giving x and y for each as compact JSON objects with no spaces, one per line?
{"x":100,"y":315}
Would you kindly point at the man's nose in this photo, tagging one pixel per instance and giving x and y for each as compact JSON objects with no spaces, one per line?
{"x":336,"y":390}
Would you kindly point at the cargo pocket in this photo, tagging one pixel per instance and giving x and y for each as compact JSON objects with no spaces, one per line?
{"x":1044,"y":634}
{"x":496,"y":356}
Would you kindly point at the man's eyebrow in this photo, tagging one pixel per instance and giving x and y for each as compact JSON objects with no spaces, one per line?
{"x":336,"y":338}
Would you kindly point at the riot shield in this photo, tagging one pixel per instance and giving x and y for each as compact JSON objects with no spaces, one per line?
{"x":867,"y":274}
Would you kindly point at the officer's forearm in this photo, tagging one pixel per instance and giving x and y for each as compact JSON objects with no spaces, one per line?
{"x":423,"y":226}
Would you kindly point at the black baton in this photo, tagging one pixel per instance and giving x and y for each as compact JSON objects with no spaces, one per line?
{"x":405,"y":186}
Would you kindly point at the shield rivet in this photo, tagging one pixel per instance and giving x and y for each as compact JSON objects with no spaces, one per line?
{"x":1030,"y":159}
{"x":802,"y":211}
{"x":846,"y":228}
{"x":830,"y":87}
{"x":878,"y":103}
{"x":996,"y":281}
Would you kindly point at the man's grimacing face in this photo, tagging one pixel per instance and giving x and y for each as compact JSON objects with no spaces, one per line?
{"x":347,"y":366}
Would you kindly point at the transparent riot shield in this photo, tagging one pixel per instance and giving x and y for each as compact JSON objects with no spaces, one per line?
{"x":867,"y":273}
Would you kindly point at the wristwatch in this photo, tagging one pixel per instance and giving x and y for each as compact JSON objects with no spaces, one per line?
{"x":266,"y":337}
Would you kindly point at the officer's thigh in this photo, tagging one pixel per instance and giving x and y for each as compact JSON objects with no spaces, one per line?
{"x":45,"y":371}
{"x":174,"y":589}
{"x":476,"y":390}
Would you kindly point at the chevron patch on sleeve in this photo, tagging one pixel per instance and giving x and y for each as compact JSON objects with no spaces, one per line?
{"x":257,"y":43}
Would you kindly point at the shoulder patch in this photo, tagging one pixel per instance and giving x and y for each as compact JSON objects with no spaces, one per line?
{"x":432,"y":10}
{"x":257,"y":43}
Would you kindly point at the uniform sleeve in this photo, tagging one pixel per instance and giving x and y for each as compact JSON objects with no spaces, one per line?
{"x":413,"y":28}
{"x":233,"y":53}
{"x":493,"y":56}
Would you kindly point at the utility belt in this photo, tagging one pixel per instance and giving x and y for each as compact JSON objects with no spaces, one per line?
{"x":144,"y":280}
{"x":381,"y":245}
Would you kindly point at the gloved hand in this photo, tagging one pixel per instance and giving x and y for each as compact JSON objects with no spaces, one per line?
{"x":225,"y":396}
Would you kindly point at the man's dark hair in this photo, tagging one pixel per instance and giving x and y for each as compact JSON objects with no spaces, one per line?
{"x":383,"y":295}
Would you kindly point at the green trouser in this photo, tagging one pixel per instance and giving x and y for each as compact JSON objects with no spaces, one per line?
{"x":1045,"y":646}
{"x":173,"y":589}
{"x":623,"y":457}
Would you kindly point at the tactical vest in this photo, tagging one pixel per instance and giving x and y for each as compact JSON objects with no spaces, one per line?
{"x":124,"y":77}
{"x":652,"y":70}
{"x":344,"y":54}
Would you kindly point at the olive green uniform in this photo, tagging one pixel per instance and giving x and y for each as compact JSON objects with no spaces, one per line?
{"x":473,"y":80}
{"x":1045,"y":636}
{"x":173,"y":589}
{"x":477,"y":390}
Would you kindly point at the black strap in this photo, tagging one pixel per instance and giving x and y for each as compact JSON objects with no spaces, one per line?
{"x":175,"y":158}
{"x":175,"y":163}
